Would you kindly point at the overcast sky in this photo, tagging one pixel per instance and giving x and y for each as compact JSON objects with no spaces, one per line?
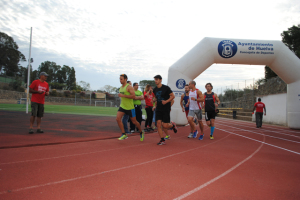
{"x":102,"y":39}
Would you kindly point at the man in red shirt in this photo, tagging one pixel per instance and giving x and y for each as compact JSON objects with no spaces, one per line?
{"x":39,"y":89}
{"x":260,"y":107}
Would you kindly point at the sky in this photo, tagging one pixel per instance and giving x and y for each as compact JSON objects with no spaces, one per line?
{"x":103,"y":39}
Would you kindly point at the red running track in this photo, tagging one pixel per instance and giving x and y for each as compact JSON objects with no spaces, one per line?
{"x":243,"y":162}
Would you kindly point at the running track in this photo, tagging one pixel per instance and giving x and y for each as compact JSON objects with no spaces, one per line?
{"x":243,"y":162}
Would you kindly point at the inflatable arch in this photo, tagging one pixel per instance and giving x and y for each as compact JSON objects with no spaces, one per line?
{"x":238,"y":51}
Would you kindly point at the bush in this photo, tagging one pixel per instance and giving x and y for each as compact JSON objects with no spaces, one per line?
{"x":73,"y":91}
{"x":54,"y":93}
{"x":17,"y":85}
{"x":67,"y":93}
{"x":82,"y":93}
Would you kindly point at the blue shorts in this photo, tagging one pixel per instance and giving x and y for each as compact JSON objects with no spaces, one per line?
{"x":130,"y":113}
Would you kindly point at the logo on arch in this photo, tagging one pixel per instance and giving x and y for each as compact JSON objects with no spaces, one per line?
{"x":227,"y":49}
{"x":180,"y":83}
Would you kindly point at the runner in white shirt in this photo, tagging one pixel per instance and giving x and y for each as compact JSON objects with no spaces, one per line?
{"x":195,"y":99}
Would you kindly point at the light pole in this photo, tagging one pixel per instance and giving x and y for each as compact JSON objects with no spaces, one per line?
{"x":28,"y":76}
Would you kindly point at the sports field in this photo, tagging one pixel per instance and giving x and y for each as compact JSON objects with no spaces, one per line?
{"x":65,"y":109}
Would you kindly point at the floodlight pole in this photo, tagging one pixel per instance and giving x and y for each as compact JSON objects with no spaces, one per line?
{"x":28,"y":76}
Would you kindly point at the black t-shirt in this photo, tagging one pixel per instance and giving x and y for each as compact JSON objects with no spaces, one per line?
{"x":209,"y":102}
{"x":162,"y":93}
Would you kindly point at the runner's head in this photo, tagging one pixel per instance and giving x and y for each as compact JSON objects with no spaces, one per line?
{"x":123,"y":78}
{"x":158,"y":79}
{"x":209,"y":87}
{"x":148,"y":88}
{"x":135,"y":86}
{"x":186,"y":88}
{"x":129,"y":82}
{"x":259,"y":99}
{"x":43,"y":76}
{"x":192,"y":84}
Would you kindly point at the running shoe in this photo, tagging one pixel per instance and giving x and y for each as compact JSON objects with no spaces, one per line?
{"x":211,"y":137}
{"x":132,"y":131}
{"x":201,"y":137}
{"x":195,"y":134}
{"x":30,"y":131}
{"x":123,"y":137}
{"x":142,"y":136}
{"x":168,"y":137}
{"x":190,"y":135}
{"x":161,"y":142}
{"x":174,"y":127}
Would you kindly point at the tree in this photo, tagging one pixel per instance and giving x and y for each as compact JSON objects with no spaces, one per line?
{"x":51,"y":68}
{"x":144,"y":83}
{"x":109,"y":89}
{"x":269,"y":73}
{"x":291,"y":38}
{"x":84,"y":85}
{"x":71,"y":80}
{"x":10,"y":56}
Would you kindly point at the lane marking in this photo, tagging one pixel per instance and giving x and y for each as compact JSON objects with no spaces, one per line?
{"x":265,"y":125}
{"x":262,"y":134}
{"x":220,"y":176}
{"x":267,"y":130}
{"x":278,"y":147}
{"x":57,"y":157}
{"x":104,"y":172}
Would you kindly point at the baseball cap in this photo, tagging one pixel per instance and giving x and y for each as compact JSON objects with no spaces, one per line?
{"x":158,"y":76}
{"x":124,"y":75}
{"x":43,"y":74}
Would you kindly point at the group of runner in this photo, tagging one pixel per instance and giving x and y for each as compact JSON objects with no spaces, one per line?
{"x":162,"y":97}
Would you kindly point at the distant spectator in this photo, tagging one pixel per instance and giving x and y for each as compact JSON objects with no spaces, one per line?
{"x":260,"y":107}
{"x":39,"y":89}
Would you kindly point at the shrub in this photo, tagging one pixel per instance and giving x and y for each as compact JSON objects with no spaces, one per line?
{"x":82,"y":93}
{"x":67,"y":93}
{"x":53,"y":93}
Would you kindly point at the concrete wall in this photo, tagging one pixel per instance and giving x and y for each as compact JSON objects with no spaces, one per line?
{"x":276,"y":108}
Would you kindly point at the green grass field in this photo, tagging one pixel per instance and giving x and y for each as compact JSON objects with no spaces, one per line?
{"x":63,"y":109}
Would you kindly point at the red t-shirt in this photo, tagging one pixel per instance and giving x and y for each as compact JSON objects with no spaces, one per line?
{"x":148,"y":99}
{"x":39,"y":86}
{"x":259,"y":106}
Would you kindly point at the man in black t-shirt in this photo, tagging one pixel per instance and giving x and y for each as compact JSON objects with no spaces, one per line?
{"x":163,"y":96}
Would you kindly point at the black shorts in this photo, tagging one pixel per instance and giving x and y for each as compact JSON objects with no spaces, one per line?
{"x":130,"y":113}
{"x":210,"y":115}
{"x":37,"y":109}
{"x":164,"y":116}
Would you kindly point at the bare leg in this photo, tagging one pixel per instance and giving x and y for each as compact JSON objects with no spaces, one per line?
{"x":32,"y":118}
{"x":159,"y":128}
{"x":166,"y":127}
{"x":192,"y":124}
{"x":38,"y":122}
{"x":201,"y":126}
{"x":208,"y":123}
{"x":136,"y":123}
{"x":119,"y":121}
{"x":212,"y":123}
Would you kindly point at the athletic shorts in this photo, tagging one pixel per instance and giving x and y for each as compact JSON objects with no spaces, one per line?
{"x":210,"y":115}
{"x":130,"y":113}
{"x":164,"y":116}
{"x":37,"y":109}
{"x":198,"y":113}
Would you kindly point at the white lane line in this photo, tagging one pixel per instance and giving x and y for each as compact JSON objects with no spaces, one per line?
{"x":267,"y":130}
{"x":57,"y":157}
{"x":104,"y":172}
{"x":220,"y":176}
{"x":265,"y":125}
{"x":261,"y":134}
{"x":79,"y":154}
{"x":278,"y":147}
